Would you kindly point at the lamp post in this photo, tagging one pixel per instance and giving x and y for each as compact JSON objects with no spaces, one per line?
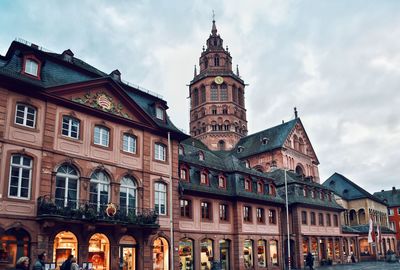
{"x":287,"y":220}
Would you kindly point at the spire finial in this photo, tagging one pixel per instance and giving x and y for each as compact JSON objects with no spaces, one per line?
{"x":237,"y":70}
{"x":195,"y":70}
{"x":214,"y":28}
{"x":295,"y":112}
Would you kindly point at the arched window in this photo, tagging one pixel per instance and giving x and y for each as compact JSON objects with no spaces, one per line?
{"x":234,"y":94}
{"x":99,"y":189}
{"x":186,"y":255}
{"x":184,"y":174}
{"x":299,"y":170}
{"x":261,"y":251}
{"x":259,"y":187}
{"x":247,"y":184}
{"x":206,"y":253}
{"x":273,"y":252}
{"x":160,"y":198}
{"x":224,"y":92}
{"x":221,"y":145}
{"x":214,"y":92}
{"x":67,"y":191}
{"x":204,"y":178}
{"x":201,"y":156}
{"x":195,"y":97}
{"x":241,"y":97}
{"x":202,"y":94}
{"x":128,"y":195}
{"x":221,"y":181}
{"x":216,"y":60}
{"x":248,"y":254}
{"x":160,"y":254}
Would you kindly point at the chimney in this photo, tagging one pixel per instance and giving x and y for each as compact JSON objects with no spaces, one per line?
{"x":116,"y":75}
{"x":67,"y":55}
{"x":34,"y":46}
{"x":393,"y":190}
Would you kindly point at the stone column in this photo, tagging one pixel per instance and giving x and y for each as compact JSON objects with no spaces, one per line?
{"x":341,"y":250}
{"x":319,"y":253}
{"x":333,"y":249}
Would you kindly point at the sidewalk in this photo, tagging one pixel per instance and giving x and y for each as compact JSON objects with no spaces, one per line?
{"x":373,"y":265}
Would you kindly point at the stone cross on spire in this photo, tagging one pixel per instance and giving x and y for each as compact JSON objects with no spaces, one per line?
{"x":214,"y":27}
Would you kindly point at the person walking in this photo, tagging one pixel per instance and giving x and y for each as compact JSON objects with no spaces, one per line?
{"x":310,"y":261}
{"x":39,"y":264}
{"x":22,"y":264}
{"x":74,"y":265}
{"x":67,"y":263}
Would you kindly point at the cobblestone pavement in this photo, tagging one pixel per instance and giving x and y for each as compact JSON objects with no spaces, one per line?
{"x":362,"y":266}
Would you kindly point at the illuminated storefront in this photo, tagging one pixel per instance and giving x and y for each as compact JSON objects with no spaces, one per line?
{"x":248,"y":253}
{"x":127,"y":252}
{"x":273,"y":252}
{"x":186,"y":254}
{"x":99,"y":252}
{"x":206,"y":253}
{"x":224,"y":253}
{"x":261,"y":253}
{"x":65,"y":244}
{"x":160,"y":254}
{"x":14,"y":243}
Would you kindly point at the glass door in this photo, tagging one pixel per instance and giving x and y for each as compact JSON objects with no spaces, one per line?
{"x":127,"y":257}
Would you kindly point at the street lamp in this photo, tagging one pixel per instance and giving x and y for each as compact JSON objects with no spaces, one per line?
{"x":287,"y":220}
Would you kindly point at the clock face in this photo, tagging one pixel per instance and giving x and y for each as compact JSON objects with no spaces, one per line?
{"x":218,"y":80}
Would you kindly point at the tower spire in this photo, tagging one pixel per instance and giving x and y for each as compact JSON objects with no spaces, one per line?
{"x":214,"y":27}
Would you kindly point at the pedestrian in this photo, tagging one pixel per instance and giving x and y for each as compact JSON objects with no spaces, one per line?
{"x":67,"y":263}
{"x":353,"y":259}
{"x":22,"y":264}
{"x":310,"y":261}
{"x":39,"y":264}
{"x":74,"y":265}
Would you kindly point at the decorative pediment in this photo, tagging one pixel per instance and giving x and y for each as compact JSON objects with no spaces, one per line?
{"x":298,"y":140}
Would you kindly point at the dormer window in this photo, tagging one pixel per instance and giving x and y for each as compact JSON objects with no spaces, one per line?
{"x":181,"y":150}
{"x":247,"y":164}
{"x":247,"y":184}
{"x":159,"y":113}
{"x":221,"y":181}
{"x":259,"y":187}
{"x":204,"y":178}
{"x":31,"y":67}
{"x":264,"y":141}
{"x":201,"y":156}
{"x":240,"y":149}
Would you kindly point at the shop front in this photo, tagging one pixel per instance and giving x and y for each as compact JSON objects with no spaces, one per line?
{"x":160,"y":254}
{"x":224,"y":253}
{"x":14,"y":243}
{"x":186,"y":254}
{"x":206,"y":254}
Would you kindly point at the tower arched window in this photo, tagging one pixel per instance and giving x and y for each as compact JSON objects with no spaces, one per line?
{"x":216,"y":60}
{"x":67,"y":186}
{"x":234,"y":94}
{"x":224,"y":92}
{"x":195,"y":97}
{"x":241,"y":97}
{"x":202,"y":94}
{"x":214,"y":92}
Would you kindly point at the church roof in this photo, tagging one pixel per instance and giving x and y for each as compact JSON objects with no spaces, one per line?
{"x":392,"y":197}
{"x":347,"y":189}
{"x":55,"y":71}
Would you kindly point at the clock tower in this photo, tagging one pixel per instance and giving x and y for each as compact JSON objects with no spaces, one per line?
{"x":217,"y":111}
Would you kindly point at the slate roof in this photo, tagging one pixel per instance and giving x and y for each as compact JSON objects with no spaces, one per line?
{"x":347,"y":189}
{"x":364,"y":229}
{"x":295,"y":194}
{"x":55,"y":72}
{"x":392,"y":197}
{"x":276,"y":138}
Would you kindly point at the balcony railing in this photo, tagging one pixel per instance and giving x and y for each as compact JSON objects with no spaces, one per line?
{"x":93,"y":212}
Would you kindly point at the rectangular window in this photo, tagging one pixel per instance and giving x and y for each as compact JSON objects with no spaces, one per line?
{"x":25,"y":115}
{"x":159,"y":152}
{"x":247,"y":213}
{"x":20,"y":177}
{"x":159,"y":113}
{"x":214,"y":93}
{"x":101,"y":136}
{"x":160,"y":198}
{"x":224,"y":93}
{"x":272,"y":216}
{"x":335,"y":221}
{"x":328,"y":220}
{"x":260,"y":215}
{"x":398,"y":211}
{"x":31,"y":67}
{"x":203,"y":178}
{"x":70,"y":127}
{"x":129,"y":143}
{"x":391,"y":212}
{"x":304,"y":217}
{"x":205,"y":210}
{"x":223,"y":212}
{"x":312,"y":218}
{"x":320,"y":219}
{"x":186,"y":206}
{"x":221,"y":182}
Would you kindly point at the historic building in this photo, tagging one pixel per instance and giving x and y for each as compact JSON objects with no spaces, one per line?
{"x":85,"y":164}
{"x":392,"y":198}
{"x":361,"y":206}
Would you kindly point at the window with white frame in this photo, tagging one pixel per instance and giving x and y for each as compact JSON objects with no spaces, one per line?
{"x":31,"y":67}
{"x":20,"y":177}
{"x":160,"y":198}
{"x":25,"y":115}
{"x":129,"y":143}
{"x":127,"y":195}
{"x":67,"y":186}
{"x":70,"y":127}
{"x":101,"y":136}
{"x":99,"y":190}
{"x":159,"y":113}
{"x":159,"y":152}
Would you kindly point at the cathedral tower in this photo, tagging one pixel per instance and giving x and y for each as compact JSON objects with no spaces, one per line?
{"x":217,"y":111}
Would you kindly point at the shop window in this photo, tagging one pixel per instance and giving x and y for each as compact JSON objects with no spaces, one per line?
{"x":129,"y":143}
{"x":101,"y":136}
{"x":160,"y":152}
{"x":160,"y":254}
{"x":304,"y":217}
{"x":160,"y":198}
{"x":14,"y":244}
{"x":247,"y":213}
{"x":127,"y":252}
{"x":223,"y":212}
{"x":25,"y":115}
{"x":186,"y":208}
{"x":99,"y":190}
{"x":320,"y":219}
{"x":206,"y":254}
{"x":67,"y":188}
{"x":20,"y":177}
{"x":312,"y":218}
{"x":224,"y":253}
{"x":273,"y":252}
{"x":261,"y":254}
{"x":99,"y":251}
{"x":272,"y":216}
{"x":65,"y":244}
{"x":248,"y":254}
{"x":206,"y":210}
{"x":328,"y":220}
{"x":221,"y":182}
{"x":186,"y":255}
{"x":128,"y":195}
{"x":260,"y":215}
{"x":31,"y":67}
{"x":70,"y":127}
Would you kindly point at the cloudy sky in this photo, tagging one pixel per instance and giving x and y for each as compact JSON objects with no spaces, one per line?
{"x":338,"y":62}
